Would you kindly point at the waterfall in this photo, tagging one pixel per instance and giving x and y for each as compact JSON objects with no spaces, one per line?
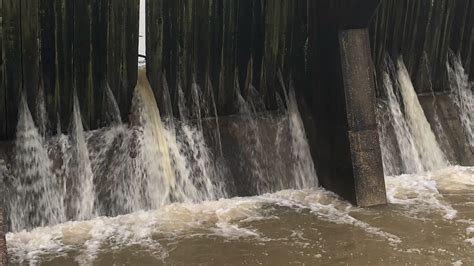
{"x":112,"y":111}
{"x":36,"y":199}
{"x":462,"y":95}
{"x":388,"y":150}
{"x":192,"y":144}
{"x":303,"y":169}
{"x":259,"y":178}
{"x":430,"y":152}
{"x":80,"y":196}
{"x":153,"y":148}
{"x":408,"y":151}
{"x":417,"y":144}
{"x":122,"y":168}
{"x":169,"y":121}
{"x":41,"y":114}
{"x":210,"y":92}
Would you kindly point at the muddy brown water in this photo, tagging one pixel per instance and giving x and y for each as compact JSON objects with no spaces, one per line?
{"x":430,"y":221}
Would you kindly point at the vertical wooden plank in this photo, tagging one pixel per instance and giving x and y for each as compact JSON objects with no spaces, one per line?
{"x":130,"y":51}
{"x":275,"y":24}
{"x":47,"y":43}
{"x":468,"y":43}
{"x":116,"y":43}
{"x":64,"y":63}
{"x":30,"y":51}
{"x":227,"y":78}
{"x":113,"y":47}
{"x":202,"y":40}
{"x":3,"y":111}
{"x":244,"y":24}
{"x":99,"y":58}
{"x":83,"y":61}
{"x":170,"y":46}
{"x":298,"y":47}
{"x":12,"y":61}
{"x":216,"y":22}
{"x":154,"y":47}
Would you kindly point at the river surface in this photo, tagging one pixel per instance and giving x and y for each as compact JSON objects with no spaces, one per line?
{"x":430,"y":221}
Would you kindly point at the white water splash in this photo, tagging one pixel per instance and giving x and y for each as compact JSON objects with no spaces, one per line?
{"x":462,"y":95}
{"x":422,"y":193}
{"x":35,"y":198}
{"x":80,"y":194}
{"x":406,"y":144}
{"x":303,"y":170}
{"x":223,"y":218}
{"x":259,"y":179}
{"x":387,"y":147}
{"x":200,"y":163}
{"x":152,"y":145}
{"x":431,"y":154}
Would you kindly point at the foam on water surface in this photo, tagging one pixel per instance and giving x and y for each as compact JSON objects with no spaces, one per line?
{"x":238,"y":219}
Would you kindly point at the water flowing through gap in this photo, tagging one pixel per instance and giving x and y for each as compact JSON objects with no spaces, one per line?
{"x":163,"y":213}
{"x":162,"y":188}
{"x":462,"y":94}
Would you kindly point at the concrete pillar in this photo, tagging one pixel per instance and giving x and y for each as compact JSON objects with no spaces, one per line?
{"x":359,"y":92}
{"x":3,"y":243}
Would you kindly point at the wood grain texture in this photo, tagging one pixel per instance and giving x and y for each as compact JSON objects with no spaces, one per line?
{"x":12,"y":62}
{"x":422,"y":32}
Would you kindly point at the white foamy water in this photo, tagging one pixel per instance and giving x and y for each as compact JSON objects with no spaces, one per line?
{"x":430,"y":152}
{"x":387,"y":147}
{"x":35,"y":197}
{"x":417,"y":145}
{"x":237,"y":219}
{"x":253,"y":143}
{"x":303,"y":169}
{"x":79,"y":181}
{"x":223,"y":218}
{"x":153,"y":152}
{"x":406,"y":144}
{"x":462,"y":95}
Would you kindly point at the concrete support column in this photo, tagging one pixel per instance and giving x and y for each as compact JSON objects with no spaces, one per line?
{"x":359,"y":91}
{"x":340,"y":100}
{"x":3,"y":242}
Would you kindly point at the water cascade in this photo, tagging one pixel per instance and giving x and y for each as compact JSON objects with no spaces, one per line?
{"x":199,"y":161}
{"x":161,"y":180}
{"x":408,"y":152}
{"x":462,"y":95}
{"x":80,"y":196}
{"x":417,"y":145}
{"x":303,"y":170}
{"x":389,"y":149}
{"x":35,"y":194}
{"x":148,"y":163}
{"x":430,"y":152}
{"x":258,"y":172}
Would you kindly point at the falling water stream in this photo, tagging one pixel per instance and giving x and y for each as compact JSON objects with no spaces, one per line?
{"x":462,"y":94}
{"x":154,"y":191}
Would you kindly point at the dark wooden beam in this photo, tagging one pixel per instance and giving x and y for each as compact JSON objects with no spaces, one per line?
{"x":12,"y":62}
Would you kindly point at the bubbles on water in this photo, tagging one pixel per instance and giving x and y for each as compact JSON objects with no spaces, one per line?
{"x":225,"y":218}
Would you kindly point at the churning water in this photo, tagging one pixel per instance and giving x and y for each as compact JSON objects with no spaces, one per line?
{"x":161,"y":194}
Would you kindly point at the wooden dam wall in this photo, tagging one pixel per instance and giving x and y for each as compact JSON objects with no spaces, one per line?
{"x":322,"y":46}
{"x":61,"y":46}
{"x":422,"y":31}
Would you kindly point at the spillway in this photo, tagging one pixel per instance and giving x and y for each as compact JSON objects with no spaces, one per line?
{"x":218,"y":148}
{"x":151,"y":162}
